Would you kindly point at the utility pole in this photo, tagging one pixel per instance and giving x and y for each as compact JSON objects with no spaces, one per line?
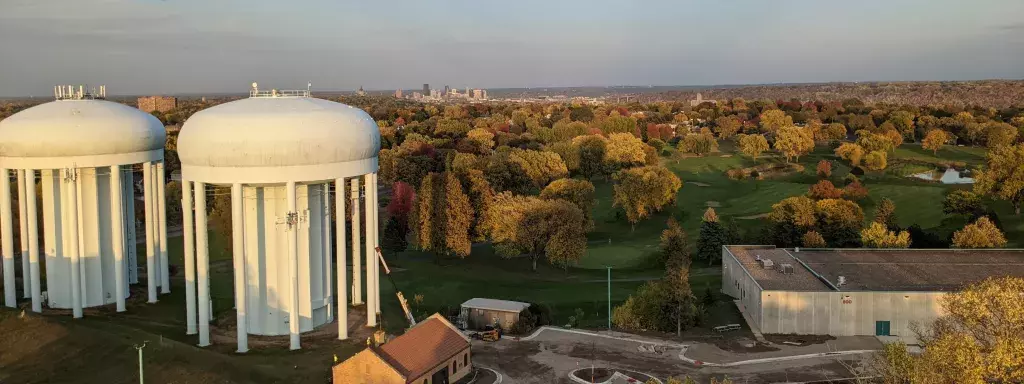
{"x":139,"y":348}
{"x":609,"y":298}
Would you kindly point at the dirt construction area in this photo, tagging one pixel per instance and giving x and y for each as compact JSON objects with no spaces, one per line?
{"x":548,"y":356}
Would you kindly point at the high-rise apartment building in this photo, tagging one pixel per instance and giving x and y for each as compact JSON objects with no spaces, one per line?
{"x":426,"y":89}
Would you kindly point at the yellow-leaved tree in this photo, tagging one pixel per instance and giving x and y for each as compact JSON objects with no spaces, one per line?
{"x":979,"y":340}
{"x":979,"y":234}
{"x":753,"y":145}
{"x":850,"y":152}
{"x":877,"y":235}
{"x":934,"y":140}
{"x":794,"y":142}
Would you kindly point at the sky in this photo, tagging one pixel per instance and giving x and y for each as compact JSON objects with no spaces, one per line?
{"x":212,"y":46}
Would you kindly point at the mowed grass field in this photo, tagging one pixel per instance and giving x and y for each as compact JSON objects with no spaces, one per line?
{"x":99,"y":346}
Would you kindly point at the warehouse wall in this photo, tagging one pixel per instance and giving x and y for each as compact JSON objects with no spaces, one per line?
{"x":736,"y":282}
{"x":847,"y":313}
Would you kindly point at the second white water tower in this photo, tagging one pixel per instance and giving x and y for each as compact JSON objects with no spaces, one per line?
{"x":280,"y":153}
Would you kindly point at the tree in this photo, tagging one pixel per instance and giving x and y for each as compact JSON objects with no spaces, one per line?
{"x":529,"y":225}
{"x":450,"y":127}
{"x":980,"y":234}
{"x":877,"y":235}
{"x":1003,"y":175}
{"x":875,"y":161}
{"x":172,"y":192}
{"x":774,"y":119}
{"x":839,"y":221}
{"x":850,"y":152}
{"x":813,"y":239}
{"x":727,"y":126}
{"x":790,"y":219}
{"x":623,"y":151}
{"x":855,"y":191}
{"x":934,"y":140}
{"x":871,"y":141}
{"x":753,"y":145}
{"x":699,"y":144}
{"x":220,"y":217}
{"x":977,"y":340}
{"x":824,"y":169}
{"x":962,"y":202}
{"x":903,"y":122}
{"x":831,"y":132}
{"x":401,"y":203}
{"x":677,"y":274}
{"x":794,"y":142}
{"x":591,"y":150}
{"x":483,"y":138}
{"x":480,"y":197}
{"x":999,"y":134}
{"x":618,"y":124}
{"x":712,"y":238}
{"x":568,"y":130}
{"x":540,"y":166}
{"x":394,"y":239}
{"x":441,"y":216}
{"x":885,"y":213}
{"x":824,"y":189}
{"x":578,"y":192}
{"x":644,"y":190}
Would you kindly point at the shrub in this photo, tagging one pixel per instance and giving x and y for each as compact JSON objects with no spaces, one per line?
{"x":736,"y":174}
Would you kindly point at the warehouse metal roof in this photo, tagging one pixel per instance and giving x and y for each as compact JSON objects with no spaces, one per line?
{"x":876,"y":269}
{"x":496,"y":305}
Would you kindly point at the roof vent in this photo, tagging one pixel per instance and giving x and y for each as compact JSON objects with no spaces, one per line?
{"x":797,"y":249}
{"x":842,"y":280}
{"x":786,"y":269}
{"x":766,"y":263}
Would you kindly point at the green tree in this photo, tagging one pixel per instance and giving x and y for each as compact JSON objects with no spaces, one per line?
{"x":753,"y":145}
{"x":699,"y":144}
{"x":564,"y":130}
{"x":979,"y":234}
{"x":962,"y":202}
{"x":839,"y":221}
{"x":618,"y":124}
{"x":773,"y":120}
{"x":529,"y":225}
{"x":643,"y":190}
{"x":876,"y":235}
{"x":903,"y":122}
{"x":504,"y":174}
{"x":441,"y":216}
{"x":578,"y":192}
{"x":677,"y":275}
{"x":451,"y":127}
{"x":1003,"y":175}
{"x":592,"y":150}
{"x":794,"y":142}
{"x":712,"y":238}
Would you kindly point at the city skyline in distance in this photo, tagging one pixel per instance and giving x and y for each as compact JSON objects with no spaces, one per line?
{"x":194,"y":47}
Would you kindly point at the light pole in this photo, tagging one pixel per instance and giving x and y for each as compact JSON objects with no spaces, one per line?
{"x":609,"y":298}
{"x":139,"y":348}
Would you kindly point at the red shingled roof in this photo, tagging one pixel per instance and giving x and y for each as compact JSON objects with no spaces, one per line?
{"x":427,"y":345}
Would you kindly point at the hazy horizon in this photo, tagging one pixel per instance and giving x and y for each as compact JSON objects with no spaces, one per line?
{"x":194,"y":47}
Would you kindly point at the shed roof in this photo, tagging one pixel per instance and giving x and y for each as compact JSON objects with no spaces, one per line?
{"x":496,"y":305}
{"x":428,"y":344}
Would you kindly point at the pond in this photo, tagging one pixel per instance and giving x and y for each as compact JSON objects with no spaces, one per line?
{"x":951,"y":176}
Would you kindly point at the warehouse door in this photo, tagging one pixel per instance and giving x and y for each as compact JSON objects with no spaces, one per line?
{"x":881,"y":328}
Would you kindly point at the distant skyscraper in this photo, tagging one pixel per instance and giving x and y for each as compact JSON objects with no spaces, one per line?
{"x":426,"y":89}
{"x":479,"y":94}
{"x":447,"y":90}
{"x":398,"y":93}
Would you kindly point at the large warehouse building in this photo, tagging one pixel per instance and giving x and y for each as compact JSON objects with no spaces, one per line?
{"x":848,"y":292}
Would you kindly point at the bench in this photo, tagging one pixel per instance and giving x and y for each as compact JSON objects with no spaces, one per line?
{"x":726,"y":328}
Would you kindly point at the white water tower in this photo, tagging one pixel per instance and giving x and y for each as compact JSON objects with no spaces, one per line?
{"x":280,"y":152}
{"x":84,"y":151}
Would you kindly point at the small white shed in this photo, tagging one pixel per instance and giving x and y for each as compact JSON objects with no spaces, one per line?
{"x":478,"y":312}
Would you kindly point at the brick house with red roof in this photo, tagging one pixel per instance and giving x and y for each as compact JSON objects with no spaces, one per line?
{"x":432,"y":352}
